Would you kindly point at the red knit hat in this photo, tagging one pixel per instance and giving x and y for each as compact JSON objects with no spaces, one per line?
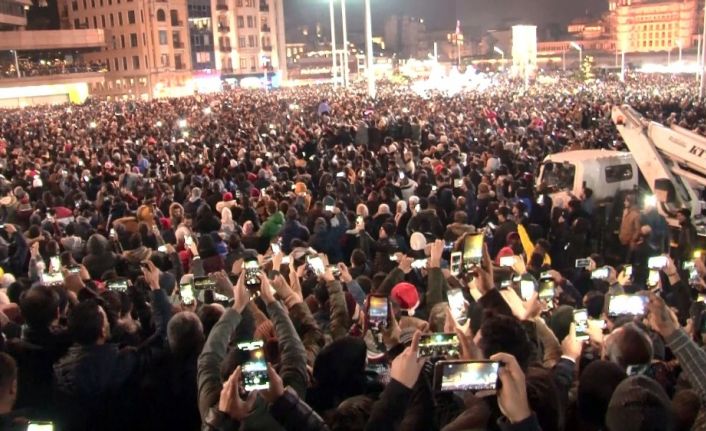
{"x":227,"y":196}
{"x":406,"y":295}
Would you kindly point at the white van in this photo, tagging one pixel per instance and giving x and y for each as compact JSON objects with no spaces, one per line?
{"x":605,"y":172}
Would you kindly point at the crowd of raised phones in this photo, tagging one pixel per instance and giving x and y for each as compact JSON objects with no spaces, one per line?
{"x":310,"y":259}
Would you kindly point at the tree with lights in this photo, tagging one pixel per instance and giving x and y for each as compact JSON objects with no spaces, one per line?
{"x":586,"y":70}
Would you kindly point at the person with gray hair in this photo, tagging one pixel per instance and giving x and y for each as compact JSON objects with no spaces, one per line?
{"x":185,"y":334}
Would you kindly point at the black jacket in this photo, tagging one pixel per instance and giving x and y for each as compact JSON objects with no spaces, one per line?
{"x":95,"y":385}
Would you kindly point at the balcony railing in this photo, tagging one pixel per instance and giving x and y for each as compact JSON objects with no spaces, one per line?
{"x":265,"y":28}
{"x":264,"y":7}
{"x":224,"y":28}
{"x":227,"y":70}
{"x":178,"y":44}
{"x":177,"y":23}
{"x":225,"y":48}
{"x":267,"y":48}
{"x":37,"y":69}
{"x":221,"y":6}
{"x":179,"y":66}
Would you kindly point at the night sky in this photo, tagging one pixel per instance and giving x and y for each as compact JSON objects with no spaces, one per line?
{"x":442,"y":14}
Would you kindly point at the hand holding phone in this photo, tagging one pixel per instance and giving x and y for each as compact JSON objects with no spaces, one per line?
{"x":378,"y":315}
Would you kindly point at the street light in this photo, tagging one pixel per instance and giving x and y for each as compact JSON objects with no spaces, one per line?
{"x":345,"y":71}
{"x":577,"y":47}
{"x":369,"y":50}
{"x":334,"y":69}
{"x":499,"y":51}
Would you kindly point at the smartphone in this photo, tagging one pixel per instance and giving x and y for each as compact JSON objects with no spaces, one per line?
{"x":329,"y":208}
{"x":40,"y":426}
{"x":74,"y":269}
{"x":653,"y":278}
{"x":508,"y":261}
{"x":378,"y":309}
{"x":188,"y":240}
{"x":457,"y":304}
{"x":701,"y":298}
{"x":419,"y":263}
{"x":466,"y":376}
{"x":401,"y":175}
{"x":359,"y":220}
{"x":186,"y":291}
{"x":439,"y":345}
{"x":335,"y":271}
{"x":526,"y":289}
{"x":254,"y":368}
{"x":600,"y":274}
{"x":472,"y":251}
{"x":455,"y":263}
{"x":315,"y":264}
{"x":657,"y":262}
{"x":112,"y":233}
{"x":204,"y":283}
{"x":581,"y":324}
{"x":448,"y":246}
{"x":393,"y":258}
{"x":54,"y":264}
{"x":628,"y":271}
{"x":285,"y":260}
{"x":583,"y":263}
{"x":627,"y":305}
{"x":118,"y":285}
{"x":252,"y":271}
{"x":275,"y":248}
{"x":162,"y":249}
{"x":458,"y":183}
{"x":341,"y":175}
{"x":547,"y":292}
{"x":52,"y":278}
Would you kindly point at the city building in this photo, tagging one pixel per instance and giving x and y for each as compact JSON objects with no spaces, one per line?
{"x":403,"y":35}
{"x":203,"y":54}
{"x":250,"y":37}
{"x":147,"y":49}
{"x":44,"y":66}
{"x":13,"y":14}
{"x":635,"y":26}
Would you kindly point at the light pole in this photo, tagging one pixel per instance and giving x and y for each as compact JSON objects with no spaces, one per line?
{"x":17,"y":64}
{"x":563,"y":60}
{"x":369,"y":50}
{"x":345,"y":43}
{"x":577,"y":47}
{"x":622,"y":66}
{"x":334,"y":66}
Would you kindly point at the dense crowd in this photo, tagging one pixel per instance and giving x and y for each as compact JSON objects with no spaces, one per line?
{"x":37,"y":67}
{"x":311,"y":259}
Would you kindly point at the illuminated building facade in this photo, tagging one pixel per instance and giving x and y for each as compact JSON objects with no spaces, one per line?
{"x":147,"y":51}
{"x":636,"y":26}
{"x":249,"y":37}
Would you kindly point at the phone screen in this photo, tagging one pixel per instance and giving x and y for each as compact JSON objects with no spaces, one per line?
{"x":188,"y":240}
{"x":583,"y":263}
{"x":54,"y":278}
{"x":419,"y":263}
{"x":546,"y":292}
{"x":252,"y":270}
{"x":186,"y":291}
{"x":581,"y":323}
{"x":653,"y":278}
{"x":378,"y":312}
{"x":455,"y":263}
{"x":507,"y":261}
{"x":40,"y":426}
{"x":316,"y":264}
{"x":54,"y":264}
{"x":117,"y":285}
{"x":628,"y":271}
{"x":275,"y":248}
{"x":254,"y":368}
{"x":468,"y":376}
{"x":458,"y":182}
{"x":627,"y":305}
{"x":526,"y":289}
{"x":457,"y":304}
{"x":657,"y":262}
{"x":328,"y":208}
{"x":472,"y":251}
{"x":162,"y":249}
{"x":439,"y":345}
{"x":600,"y":274}
{"x":204,"y":283}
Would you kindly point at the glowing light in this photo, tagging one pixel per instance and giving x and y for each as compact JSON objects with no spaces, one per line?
{"x":93,"y":125}
{"x":158,"y":124}
{"x":182,"y":123}
{"x":185,"y":134}
{"x":207,"y":111}
{"x":452,"y":83}
{"x":650,"y":201}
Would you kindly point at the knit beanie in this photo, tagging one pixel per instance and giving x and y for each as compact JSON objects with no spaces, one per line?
{"x":639,"y":404}
{"x":405,"y":295}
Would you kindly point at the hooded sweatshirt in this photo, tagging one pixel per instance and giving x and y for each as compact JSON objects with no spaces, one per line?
{"x":100,"y":258}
